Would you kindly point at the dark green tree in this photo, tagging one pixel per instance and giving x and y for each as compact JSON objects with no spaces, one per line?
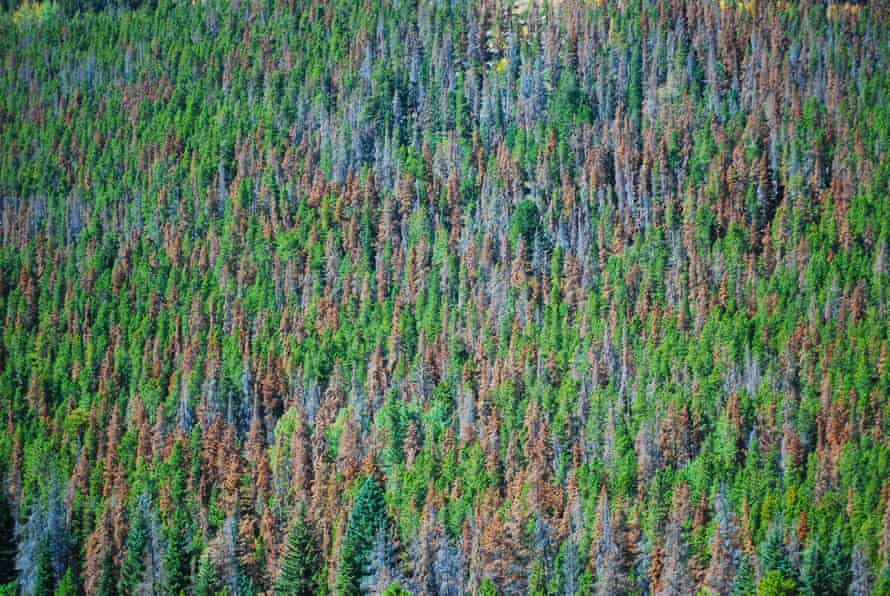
{"x":46,"y":581}
{"x":775,"y":555}
{"x":745,"y":579}
{"x":300,"y":567}
{"x":368,"y":515}
{"x":826,"y":570}
{"x":178,"y":559}
{"x":207,"y":582}
{"x":132,"y":567}
{"x":107,"y":585}
{"x":525,"y":222}
{"x":814,"y":574}
{"x":837,"y":562}
{"x":246,"y":587}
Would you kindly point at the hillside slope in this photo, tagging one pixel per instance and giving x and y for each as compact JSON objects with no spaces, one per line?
{"x":589,"y":297}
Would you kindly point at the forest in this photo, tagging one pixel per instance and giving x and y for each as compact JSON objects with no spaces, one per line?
{"x":445,"y":297}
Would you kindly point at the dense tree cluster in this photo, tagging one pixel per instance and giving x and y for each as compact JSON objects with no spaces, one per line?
{"x":446,"y":297}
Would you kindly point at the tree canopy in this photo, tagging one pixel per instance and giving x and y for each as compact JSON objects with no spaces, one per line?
{"x":563,"y":297}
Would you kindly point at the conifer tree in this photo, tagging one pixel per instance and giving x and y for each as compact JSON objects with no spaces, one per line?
{"x":537,"y":582}
{"x":396,"y":590}
{"x":745,"y":580}
{"x":107,"y":586}
{"x":177,"y":558}
{"x":207,"y":582}
{"x":487,"y":588}
{"x":368,"y":515}
{"x":67,"y":586}
{"x":45,"y":579}
{"x":775,"y":555}
{"x":813,"y":573}
{"x":300,"y":566}
{"x":838,"y":561}
{"x":776,"y":584}
{"x":132,"y":567}
{"x":826,"y":570}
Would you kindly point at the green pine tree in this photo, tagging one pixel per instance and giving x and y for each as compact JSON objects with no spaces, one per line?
{"x":775,"y":555}
{"x":776,"y":584}
{"x":177,"y":559}
{"x":813,"y":574}
{"x":132,"y":568}
{"x":246,"y":587}
{"x":537,"y":583}
{"x":882,"y":587}
{"x":826,"y":570}
{"x":745,"y":580}
{"x":396,"y":590}
{"x":837,"y":562}
{"x":67,"y":587}
{"x":207,"y":583}
{"x":368,"y":514}
{"x":45,"y":578}
{"x":488,"y":588}
{"x":300,"y":565}
{"x":107,"y":585}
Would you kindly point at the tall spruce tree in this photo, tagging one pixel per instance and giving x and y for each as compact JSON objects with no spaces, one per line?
{"x":207,"y":582}
{"x":300,"y":567}
{"x":826,"y":571}
{"x":45,"y":579}
{"x":368,"y":515}
{"x":177,"y":559}
{"x":775,"y":555}
{"x":745,"y":579}
{"x":132,"y":568}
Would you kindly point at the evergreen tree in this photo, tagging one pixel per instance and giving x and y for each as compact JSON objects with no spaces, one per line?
{"x":745,"y":580}
{"x":107,"y":585}
{"x":206,"y":583}
{"x":837,"y":562}
{"x":246,"y":586}
{"x":826,"y":571}
{"x":368,"y":515}
{"x":487,"y":588}
{"x":537,"y":583}
{"x":775,"y":555}
{"x":776,"y":584}
{"x":7,"y":541}
{"x":300,"y":567}
{"x":813,"y":573}
{"x":132,"y":567}
{"x":177,"y":559}
{"x":882,"y":586}
{"x":67,"y":587}
{"x":45,"y":578}
{"x":396,"y":590}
